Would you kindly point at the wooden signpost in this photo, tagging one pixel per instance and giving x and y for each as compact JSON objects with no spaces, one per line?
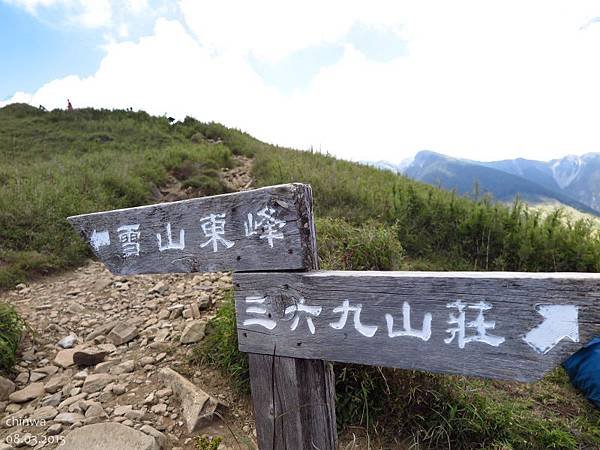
{"x":292,"y":317}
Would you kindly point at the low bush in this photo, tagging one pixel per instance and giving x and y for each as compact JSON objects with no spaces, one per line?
{"x":11,"y":330}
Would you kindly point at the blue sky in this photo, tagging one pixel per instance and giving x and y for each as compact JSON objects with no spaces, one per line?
{"x":362,"y":80}
{"x":33,"y":52}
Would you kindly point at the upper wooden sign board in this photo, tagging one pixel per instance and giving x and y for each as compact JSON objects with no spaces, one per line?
{"x":512,"y":326}
{"x":264,"y":229}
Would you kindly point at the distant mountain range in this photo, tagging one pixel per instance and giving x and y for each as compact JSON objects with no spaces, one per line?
{"x":572,"y":180}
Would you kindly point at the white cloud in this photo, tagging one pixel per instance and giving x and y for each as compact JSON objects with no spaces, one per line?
{"x":479,"y":80}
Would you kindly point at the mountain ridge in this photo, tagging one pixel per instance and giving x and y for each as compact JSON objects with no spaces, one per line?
{"x":573,"y":180}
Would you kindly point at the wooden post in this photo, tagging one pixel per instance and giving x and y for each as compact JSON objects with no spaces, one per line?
{"x":294,"y":399}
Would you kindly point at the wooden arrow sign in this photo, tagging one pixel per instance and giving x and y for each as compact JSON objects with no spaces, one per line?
{"x":512,"y":326}
{"x":263,"y":229}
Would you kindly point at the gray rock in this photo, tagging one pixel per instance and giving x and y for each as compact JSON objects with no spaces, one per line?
{"x":118,"y":389}
{"x":103,"y":329}
{"x":94,"y":410}
{"x":162,"y":335}
{"x":161,"y":439}
{"x":123,"y":333}
{"x":124,"y":367}
{"x":22,"y":378}
{"x":198,"y":407}
{"x":69,"y":401}
{"x":67,"y":341}
{"x":44,"y":413}
{"x":32,"y":391}
{"x":53,"y":400}
{"x":36,"y":376}
{"x":145,"y":360}
{"x":68,"y":418}
{"x":104,"y":367}
{"x":121,"y":410}
{"x":64,"y":358}
{"x":7,"y":387}
{"x":193,"y":332}
{"x":54,"y":429}
{"x":96,"y":382}
{"x":89,"y":356}
{"x":56,"y":382}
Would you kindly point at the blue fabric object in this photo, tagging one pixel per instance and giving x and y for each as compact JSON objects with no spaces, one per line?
{"x":584,"y":370}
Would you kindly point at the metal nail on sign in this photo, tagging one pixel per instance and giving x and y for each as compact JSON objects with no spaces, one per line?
{"x":514,"y":326}
{"x":269,"y":228}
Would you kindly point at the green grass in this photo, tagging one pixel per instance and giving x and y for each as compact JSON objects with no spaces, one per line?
{"x":56,"y":164}
{"x":12,"y":327}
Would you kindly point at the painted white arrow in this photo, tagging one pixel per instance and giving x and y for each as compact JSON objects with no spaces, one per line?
{"x":99,"y":239}
{"x":560,"y":322}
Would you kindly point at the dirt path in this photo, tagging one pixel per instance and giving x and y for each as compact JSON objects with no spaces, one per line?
{"x":150,"y":313}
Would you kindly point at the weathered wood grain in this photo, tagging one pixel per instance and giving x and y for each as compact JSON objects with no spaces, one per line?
{"x":522,"y":345}
{"x":294,"y":403}
{"x":294,"y":399}
{"x":128,"y":241}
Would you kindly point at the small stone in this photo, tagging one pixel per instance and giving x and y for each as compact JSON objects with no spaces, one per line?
{"x":193,"y":332}
{"x":163,"y":393}
{"x":52,"y":400}
{"x":161,"y":439}
{"x":89,"y":356}
{"x":123,"y":333}
{"x":195,"y":311}
{"x":96,"y":382}
{"x":32,"y":391}
{"x":134,"y":414}
{"x":198,"y":407}
{"x":7,"y":387}
{"x":160,"y":408}
{"x":104,"y":367}
{"x":68,"y":418}
{"x":118,"y":389}
{"x":67,"y":341}
{"x":71,"y":400}
{"x":64,"y":358}
{"x":124,"y":367}
{"x":54,"y":429}
{"x":162,"y":335}
{"x":22,"y":378}
{"x":160,"y":288}
{"x":121,"y":410}
{"x":145,"y":360}
{"x":12,"y":408}
{"x":44,"y":413}
{"x":149,"y":400}
{"x":56,"y":382}
{"x":36,"y":376}
{"x":75,"y":308}
{"x":187,"y":313}
{"x":93,"y":410}
{"x":163,"y":314}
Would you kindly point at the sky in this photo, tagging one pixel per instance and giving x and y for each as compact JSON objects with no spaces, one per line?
{"x":376,"y":80}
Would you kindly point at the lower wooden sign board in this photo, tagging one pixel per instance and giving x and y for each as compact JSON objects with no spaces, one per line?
{"x":502,"y":325}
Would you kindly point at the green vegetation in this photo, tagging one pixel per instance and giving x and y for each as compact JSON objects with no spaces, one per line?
{"x":56,"y":164}
{"x":220,"y":346}
{"x":11,"y":330}
{"x":203,"y":442}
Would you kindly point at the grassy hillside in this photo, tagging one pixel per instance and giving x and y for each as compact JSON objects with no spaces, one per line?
{"x":55,"y":164}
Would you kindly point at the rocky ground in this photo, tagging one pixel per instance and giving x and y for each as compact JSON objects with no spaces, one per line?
{"x":106,"y":361}
{"x":103,"y":351}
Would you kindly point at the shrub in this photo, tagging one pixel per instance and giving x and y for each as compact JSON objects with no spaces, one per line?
{"x":370,"y":246}
{"x":11,"y":330}
{"x":220,"y":346}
